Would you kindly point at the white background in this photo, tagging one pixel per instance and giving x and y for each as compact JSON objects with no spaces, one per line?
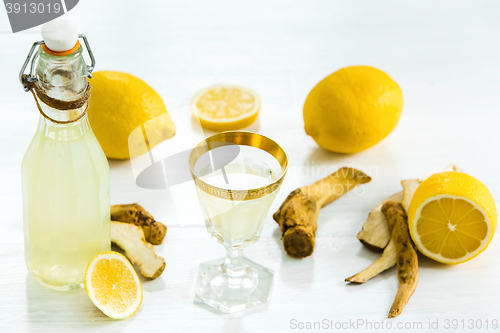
{"x":445,"y":56}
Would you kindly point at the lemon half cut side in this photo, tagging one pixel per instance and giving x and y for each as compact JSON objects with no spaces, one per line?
{"x":452,"y":217}
{"x":113,"y":285}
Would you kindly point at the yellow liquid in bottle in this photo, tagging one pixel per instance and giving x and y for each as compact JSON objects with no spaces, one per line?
{"x":66,"y":203}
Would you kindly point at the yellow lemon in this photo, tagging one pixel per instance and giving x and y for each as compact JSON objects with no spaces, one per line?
{"x":121,"y":103}
{"x":225,"y":107}
{"x":112,"y":285}
{"x":452,"y":217}
{"x":352,"y":109}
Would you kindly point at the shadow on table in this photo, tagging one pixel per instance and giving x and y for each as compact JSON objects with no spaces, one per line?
{"x":64,"y":311}
{"x":320,"y":155}
{"x":113,"y":163}
{"x":428,"y":263}
{"x":294,"y":273}
{"x":233,"y":322}
{"x":378,"y":161}
{"x":240,"y":314}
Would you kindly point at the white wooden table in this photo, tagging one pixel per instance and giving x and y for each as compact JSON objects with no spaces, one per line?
{"x":446,"y":58}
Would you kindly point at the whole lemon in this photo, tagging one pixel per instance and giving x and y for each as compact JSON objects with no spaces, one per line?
{"x":352,"y":109}
{"x":121,"y":104}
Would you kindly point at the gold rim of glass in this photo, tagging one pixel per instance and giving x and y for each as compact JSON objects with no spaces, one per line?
{"x":242,"y":138}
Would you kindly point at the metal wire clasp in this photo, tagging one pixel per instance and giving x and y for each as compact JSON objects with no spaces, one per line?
{"x":33,"y":55}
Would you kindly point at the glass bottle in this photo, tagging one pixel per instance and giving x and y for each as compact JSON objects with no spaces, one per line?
{"x":65,"y":178}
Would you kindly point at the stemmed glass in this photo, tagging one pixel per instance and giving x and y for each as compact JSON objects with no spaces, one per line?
{"x":237,"y":176}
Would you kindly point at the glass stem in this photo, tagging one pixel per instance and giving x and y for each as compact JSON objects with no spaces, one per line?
{"x":234,"y":267}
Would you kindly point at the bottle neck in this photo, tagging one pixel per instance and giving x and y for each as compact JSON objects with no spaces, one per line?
{"x":63,"y":78}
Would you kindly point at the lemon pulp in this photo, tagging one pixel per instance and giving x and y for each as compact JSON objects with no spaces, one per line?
{"x":452,"y":217}
{"x":113,"y":286}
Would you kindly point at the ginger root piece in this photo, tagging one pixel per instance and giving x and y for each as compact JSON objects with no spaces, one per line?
{"x":131,"y":239}
{"x":409,"y":188}
{"x":298,"y":214}
{"x":407,"y":259}
{"x":375,"y":233}
{"x":386,"y":261}
{"x":153,"y":231}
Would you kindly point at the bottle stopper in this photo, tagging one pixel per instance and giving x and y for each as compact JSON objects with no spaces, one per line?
{"x":60,"y":35}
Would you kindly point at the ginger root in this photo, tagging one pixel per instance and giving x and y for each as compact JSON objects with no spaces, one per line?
{"x":131,"y":239}
{"x":407,"y":259}
{"x":375,"y":233}
{"x":409,"y":188}
{"x":298,"y":214}
{"x":386,"y":261}
{"x":153,"y":231}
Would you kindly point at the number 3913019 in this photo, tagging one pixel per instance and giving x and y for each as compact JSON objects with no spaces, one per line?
{"x":477,"y":324}
{"x":32,"y":8}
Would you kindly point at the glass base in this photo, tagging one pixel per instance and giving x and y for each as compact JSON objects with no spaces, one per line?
{"x":228,"y":294}
{"x":58,"y":287}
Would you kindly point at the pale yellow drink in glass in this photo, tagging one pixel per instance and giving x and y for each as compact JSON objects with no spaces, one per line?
{"x":237,"y":175}
{"x":237,"y":220}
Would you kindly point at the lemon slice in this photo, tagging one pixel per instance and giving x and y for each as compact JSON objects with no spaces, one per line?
{"x":452,"y":217}
{"x":112,"y":285}
{"x":225,"y":107}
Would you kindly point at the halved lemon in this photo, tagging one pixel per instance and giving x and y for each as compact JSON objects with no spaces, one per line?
{"x":452,"y":217}
{"x":113,"y":285}
{"x":225,"y":107}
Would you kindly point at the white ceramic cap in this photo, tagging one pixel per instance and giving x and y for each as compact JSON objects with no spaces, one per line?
{"x":60,"y":35}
